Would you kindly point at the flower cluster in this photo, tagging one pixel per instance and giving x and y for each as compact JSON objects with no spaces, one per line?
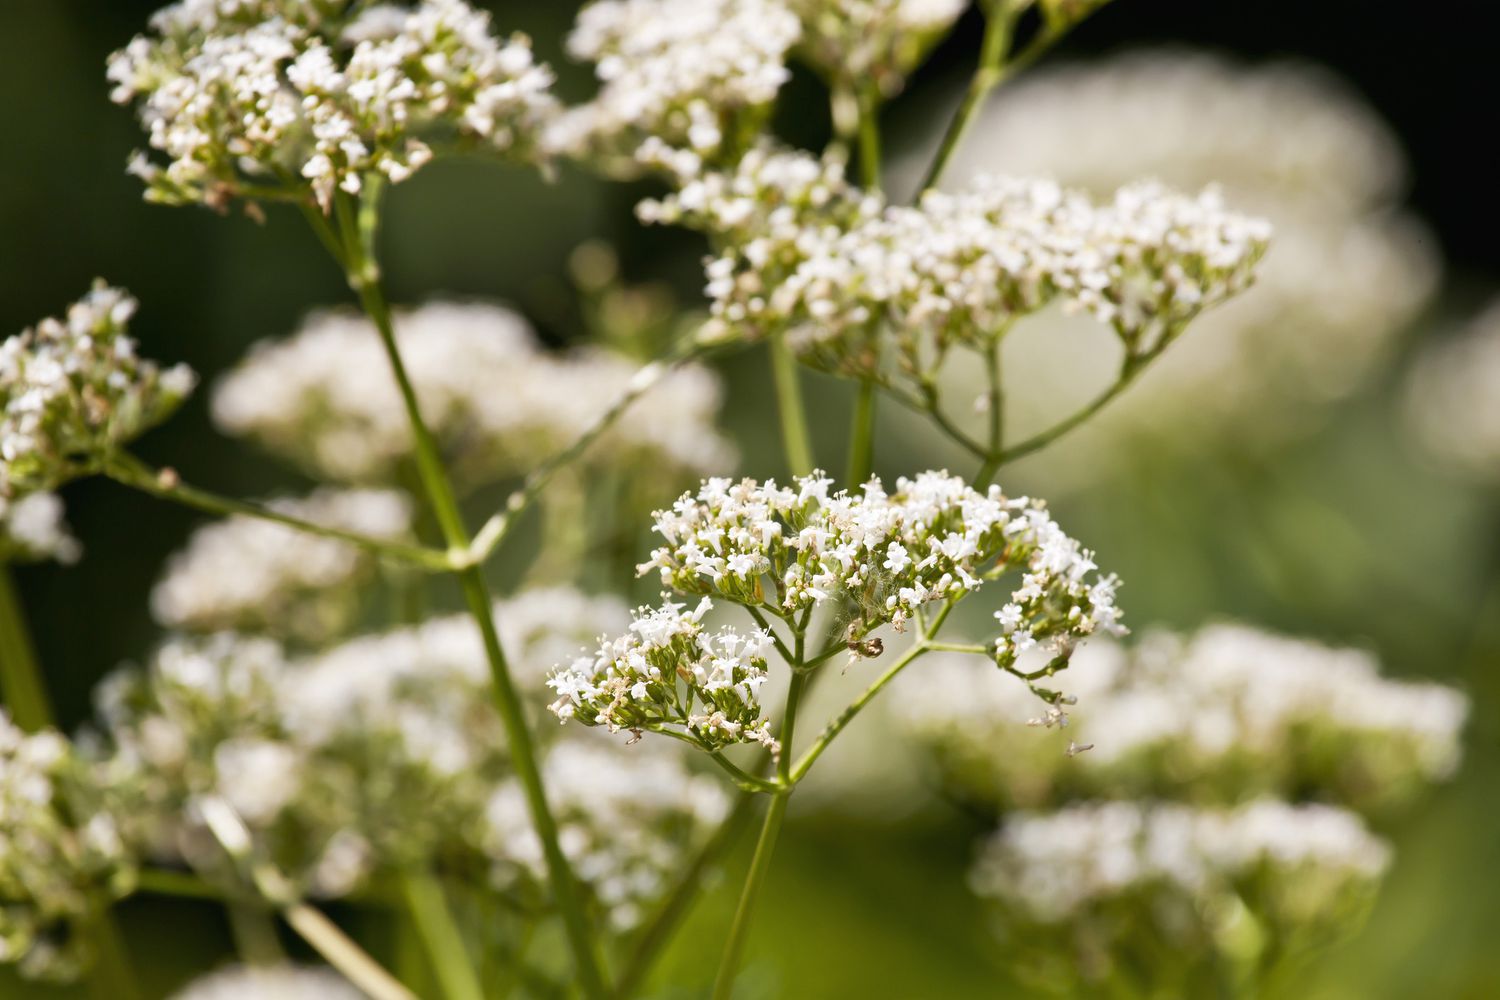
{"x":786,"y":549}
{"x":1225,"y":713}
{"x":1348,"y":273}
{"x":244,"y":96}
{"x":61,"y":853}
{"x":695,"y":75}
{"x":668,"y":672}
{"x":872,"y":42}
{"x":72,"y":391}
{"x":1451,"y":398}
{"x":955,"y":268}
{"x":496,"y":401}
{"x":258,"y":982}
{"x":623,"y":820}
{"x":254,"y":575}
{"x":1121,"y":882}
{"x":32,"y":529}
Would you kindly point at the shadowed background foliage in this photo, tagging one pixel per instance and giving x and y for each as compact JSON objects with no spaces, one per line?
{"x":1345,"y":535}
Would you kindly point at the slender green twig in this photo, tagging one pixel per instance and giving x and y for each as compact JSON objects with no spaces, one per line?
{"x":862,"y":436}
{"x":128,"y":470}
{"x":358,"y":237}
{"x":252,"y":924}
{"x":1130,"y":370}
{"x":25,"y":694}
{"x":869,"y":139}
{"x":440,"y":937}
{"x":794,"y":434}
{"x":340,"y":951}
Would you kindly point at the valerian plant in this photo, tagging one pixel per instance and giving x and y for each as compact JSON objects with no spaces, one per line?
{"x":271,"y":756}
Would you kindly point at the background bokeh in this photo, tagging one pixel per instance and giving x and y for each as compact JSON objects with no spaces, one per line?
{"x":1344,"y":533}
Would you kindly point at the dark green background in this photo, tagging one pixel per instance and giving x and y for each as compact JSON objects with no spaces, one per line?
{"x":1345,"y":536}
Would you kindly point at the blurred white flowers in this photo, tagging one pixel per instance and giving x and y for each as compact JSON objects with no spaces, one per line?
{"x":1453,"y":398}
{"x":32,"y":528}
{"x":498,"y":403}
{"x":281,"y":982}
{"x":253,"y":98}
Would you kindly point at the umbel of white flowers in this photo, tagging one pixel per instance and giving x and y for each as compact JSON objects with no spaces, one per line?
{"x":32,"y":529}
{"x":498,"y":403}
{"x":866,"y":289}
{"x":1227,"y":712}
{"x":73,"y":391}
{"x":877,"y":557}
{"x":254,"y":97}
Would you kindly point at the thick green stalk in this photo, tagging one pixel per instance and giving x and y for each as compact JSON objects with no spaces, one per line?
{"x":339,"y":951}
{"x":440,"y":937}
{"x":364,"y":278}
{"x":862,"y":436}
{"x":734,"y":948}
{"x":794,"y":436}
{"x":253,"y":926}
{"x":25,"y":695}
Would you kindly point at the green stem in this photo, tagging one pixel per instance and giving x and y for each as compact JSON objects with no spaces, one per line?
{"x":128,"y":470}
{"x":862,"y":436}
{"x":1128,"y":374}
{"x":672,"y":910}
{"x":996,"y":401}
{"x":25,"y":694}
{"x":364,"y":278}
{"x":253,"y":928}
{"x":181,"y":885}
{"x":336,"y":947}
{"x":111,"y":977}
{"x":734,"y":948}
{"x":794,"y":436}
{"x":999,"y":23}
{"x":440,"y":937}
{"x":869,"y":139}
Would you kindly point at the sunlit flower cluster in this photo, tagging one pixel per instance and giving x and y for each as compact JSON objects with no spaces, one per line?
{"x":669,"y":672}
{"x":1348,"y":270}
{"x":32,"y":529}
{"x":61,"y":853}
{"x":253,"y":575}
{"x":497,"y":402}
{"x":625,"y":816}
{"x":72,"y":391}
{"x":696,"y":75}
{"x":258,"y":982}
{"x":1225,"y":713}
{"x":872,"y":42}
{"x":954,"y":268}
{"x":246,"y":97}
{"x":1118,"y":881}
{"x":884,"y":556}
{"x":1453,"y":398}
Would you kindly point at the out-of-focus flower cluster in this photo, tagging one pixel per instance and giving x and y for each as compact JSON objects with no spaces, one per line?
{"x":321,"y":756}
{"x":695,"y":75}
{"x":253,"y":575}
{"x":623,"y":819}
{"x":1089,"y":891}
{"x":1224,"y":714}
{"x":72,"y":391}
{"x":283,"y":982}
{"x":32,"y":529}
{"x":243,"y":97}
{"x":868,"y":289}
{"x":876,"y":43}
{"x":497,"y":402}
{"x":1453,"y":398}
{"x":1347,"y":272}
{"x":62,"y":858}
{"x":1186,"y":828}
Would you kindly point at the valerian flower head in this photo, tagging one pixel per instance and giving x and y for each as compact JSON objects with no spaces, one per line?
{"x":249,"y":96}
{"x":1223,"y":714}
{"x":698,"y":76}
{"x":872,"y":43}
{"x":247,"y":574}
{"x":1452,"y":395}
{"x":669,"y":672}
{"x":61,"y":853}
{"x":261,"y":982}
{"x":1061,"y":881}
{"x":32,"y":529}
{"x":73,"y":391}
{"x":626,"y":817}
{"x":497,"y":402}
{"x":858,"y":286}
{"x":883,"y":556}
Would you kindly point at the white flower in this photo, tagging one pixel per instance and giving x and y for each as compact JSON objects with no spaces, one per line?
{"x":872,"y":42}
{"x":32,"y":528}
{"x":1453,"y":398}
{"x":73,"y":390}
{"x":278,"y":982}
